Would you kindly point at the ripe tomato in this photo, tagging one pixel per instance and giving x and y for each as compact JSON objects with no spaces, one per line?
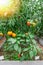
{"x":28,"y":23}
{"x":19,"y":55}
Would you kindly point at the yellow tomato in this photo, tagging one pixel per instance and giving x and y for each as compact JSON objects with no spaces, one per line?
{"x":9,"y":33}
{"x":13,"y":35}
{"x":34,"y":24}
{"x":1,"y":34}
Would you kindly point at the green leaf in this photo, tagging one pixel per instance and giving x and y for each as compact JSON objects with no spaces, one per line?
{"x":26,"y":49}
{"x":19,"y":35}
{"x":12,"y":40}
{"x":22,"y":58}
{"x":18,"y":38}
{"x":18,"y":41}
{"x":35,"y":51}
{"x":34,"y":42}
{"x":23,"y":35}
{"x":31,"y":35}
{"x":27,"y":40}
{"x":39,"y":49}
{"x":22,"y":40}
{"x":31,"y":54}
{"x":16,"y":47}
{"x":19,"y":50}
{"x":9,"y":48}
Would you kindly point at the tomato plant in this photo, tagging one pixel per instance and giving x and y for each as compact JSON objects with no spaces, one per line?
{"x":20,"y":30}
{"x":23,"y":45}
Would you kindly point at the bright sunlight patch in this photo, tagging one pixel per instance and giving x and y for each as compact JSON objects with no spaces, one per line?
{"x":9,"y":7}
